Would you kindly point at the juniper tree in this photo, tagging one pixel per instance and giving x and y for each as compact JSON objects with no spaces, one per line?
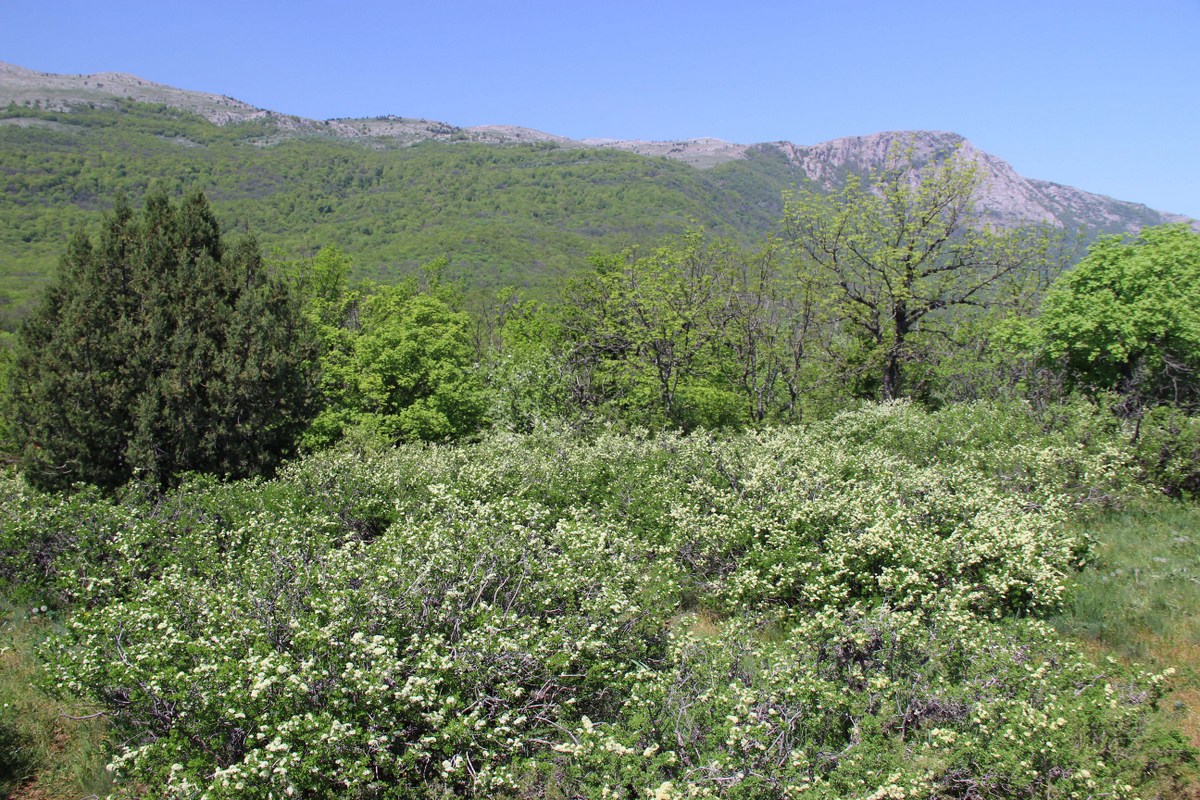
{"x":156,"y":351}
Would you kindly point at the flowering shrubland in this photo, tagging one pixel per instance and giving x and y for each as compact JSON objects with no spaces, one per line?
{"x":841,"y":610}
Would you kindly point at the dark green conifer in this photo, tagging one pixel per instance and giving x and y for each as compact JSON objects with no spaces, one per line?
{"x":160,"y":351}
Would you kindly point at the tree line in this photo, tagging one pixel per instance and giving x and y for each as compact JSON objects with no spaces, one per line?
{"x":161,"y":348}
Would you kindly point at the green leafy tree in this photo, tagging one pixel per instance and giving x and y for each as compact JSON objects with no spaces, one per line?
{"x":699,"y":333}
{"x":898,"y":251}
{"x":674,"y":305}
{"x":775,"y":327}
{"x":643,"y":331}
{"x":528,"y":379}
{"x":323,"y":286}
{"x":401,"y":365}
{"x":1127,"y":317}
{"x":159,"y":351}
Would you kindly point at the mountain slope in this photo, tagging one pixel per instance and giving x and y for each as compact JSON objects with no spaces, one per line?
{"x":522,"y":214}
{"x":1006,"y":198}
{"x":506,"y":205}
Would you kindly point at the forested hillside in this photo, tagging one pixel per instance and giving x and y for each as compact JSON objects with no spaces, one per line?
{"x":506,"y":207}
{"x":519,"y":215}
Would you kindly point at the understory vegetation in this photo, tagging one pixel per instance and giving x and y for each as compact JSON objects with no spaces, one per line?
{"x":851,"y":608}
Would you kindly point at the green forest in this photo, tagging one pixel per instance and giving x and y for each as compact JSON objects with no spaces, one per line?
{"x":831,"y":495}
{"x":518,"y":215}
{"x":504,"y":216}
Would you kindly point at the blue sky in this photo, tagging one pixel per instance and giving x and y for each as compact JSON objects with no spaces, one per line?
{"x":1100,"y":95}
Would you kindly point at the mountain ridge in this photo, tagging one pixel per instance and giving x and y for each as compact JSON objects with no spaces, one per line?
{"x":1006,"y":197}
{"x":506,"y":206}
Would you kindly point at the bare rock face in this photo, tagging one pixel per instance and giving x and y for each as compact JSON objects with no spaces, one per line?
{"x":1005,"y":199}
{"x":703,"y":152}
{"x":104,"y":89}
{"x":500,"y":134}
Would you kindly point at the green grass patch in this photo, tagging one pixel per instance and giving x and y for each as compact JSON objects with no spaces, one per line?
{"x":49,"y":747}
{"x":1142,"y":594}
{"x":1140,"y":599}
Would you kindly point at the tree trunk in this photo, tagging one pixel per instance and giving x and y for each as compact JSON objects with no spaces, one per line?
{"x":895,"y":355}
{"x":891,"y":374}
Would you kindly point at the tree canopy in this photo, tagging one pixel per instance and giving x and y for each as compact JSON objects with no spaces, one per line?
{"x":900,"y":248}
{"x":397,"y":360}
{"x":1127,"y":317}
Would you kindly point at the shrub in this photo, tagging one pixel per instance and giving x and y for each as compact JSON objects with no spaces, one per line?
{"x":823,"y":609}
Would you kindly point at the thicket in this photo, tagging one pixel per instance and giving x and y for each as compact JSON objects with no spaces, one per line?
{"x":843,"y":609}
{"x":158,"y":351}
{"x":131,"y":364}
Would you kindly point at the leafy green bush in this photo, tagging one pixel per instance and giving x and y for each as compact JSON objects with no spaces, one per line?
{"x":828,"y":609}
{"x":878,"y":704}
{"x":398,"y":362}
{"x":1168,"y":448}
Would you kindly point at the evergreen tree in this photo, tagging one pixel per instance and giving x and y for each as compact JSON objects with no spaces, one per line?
{"x":158,"y":351}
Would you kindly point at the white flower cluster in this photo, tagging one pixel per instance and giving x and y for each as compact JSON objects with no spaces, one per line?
{"x":798,"y":612}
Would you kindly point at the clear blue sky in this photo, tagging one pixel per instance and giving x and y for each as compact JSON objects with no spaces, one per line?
{"x":1100,"y":95}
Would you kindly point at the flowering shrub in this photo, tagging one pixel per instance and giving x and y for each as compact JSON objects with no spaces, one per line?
{"x":878,"y":703}
{"x":818,"y":611}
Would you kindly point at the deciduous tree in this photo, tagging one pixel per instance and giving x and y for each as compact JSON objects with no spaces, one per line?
{"x":640,"y":330}
{"x":899,"y":248}
{"x":405,"y":370}
{"x":1127,"y":317}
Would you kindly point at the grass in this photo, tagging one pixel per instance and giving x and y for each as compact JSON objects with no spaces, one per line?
{"x":1140,"y":600}
{"x":46,"y":751}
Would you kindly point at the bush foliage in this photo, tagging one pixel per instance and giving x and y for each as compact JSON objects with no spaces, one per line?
{"x":843,"y":609}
